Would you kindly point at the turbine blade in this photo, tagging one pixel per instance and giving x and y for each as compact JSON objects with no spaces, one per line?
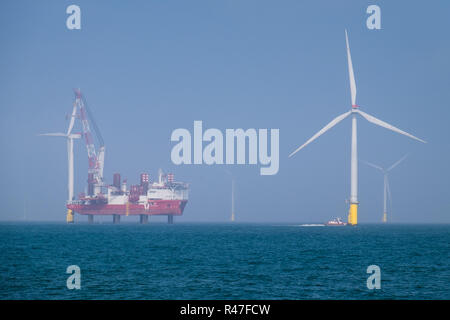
{"x":398,"y":162}
{"x":381,"y":123}
{"x":351,"y":75}
{"x":72,"y":119}
{"x":372,"y":165}
{"x":53,"y":134}
{"x":75,"y":136}
{"x":323,"y":130}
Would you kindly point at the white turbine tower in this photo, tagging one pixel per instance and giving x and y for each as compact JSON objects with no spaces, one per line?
{"x":232,"y":200}
{"x":69,"y":136}
{"x":232,"y":218}
{"x":386,"y":190}
{"x":353,"y":212}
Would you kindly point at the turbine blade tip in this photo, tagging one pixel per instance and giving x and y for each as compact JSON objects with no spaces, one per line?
{"x":293,"y":153}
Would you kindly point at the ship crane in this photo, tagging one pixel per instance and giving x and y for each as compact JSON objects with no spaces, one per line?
{"x":96,"y":160}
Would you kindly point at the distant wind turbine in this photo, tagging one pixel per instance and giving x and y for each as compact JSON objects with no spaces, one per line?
{"x":232,"y":195}
{"x":387,"y":190}
{"x":353,"y":212}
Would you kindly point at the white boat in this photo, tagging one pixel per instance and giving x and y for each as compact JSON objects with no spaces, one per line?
{"x":336,"y":222}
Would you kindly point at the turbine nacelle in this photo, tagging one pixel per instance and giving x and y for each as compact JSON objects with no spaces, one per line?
{"x":74,"y":136}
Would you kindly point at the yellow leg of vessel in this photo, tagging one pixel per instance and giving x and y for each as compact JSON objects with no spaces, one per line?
{"x":384,"y":217}
{"x":69,"y":217}
{"x":353,"y":214}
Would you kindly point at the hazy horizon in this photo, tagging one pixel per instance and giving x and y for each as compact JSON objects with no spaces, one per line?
{"x":149,"y":68}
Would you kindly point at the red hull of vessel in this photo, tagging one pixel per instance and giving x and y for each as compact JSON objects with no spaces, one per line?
{"x":155,"y":207}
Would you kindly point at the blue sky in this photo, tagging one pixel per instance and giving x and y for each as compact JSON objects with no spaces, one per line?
{"x":149,"y":67}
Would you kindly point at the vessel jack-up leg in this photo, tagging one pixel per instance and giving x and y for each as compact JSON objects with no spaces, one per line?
{"x":170,"y":219}
{"x":116,"y":218}
{"x":143,"y":219}
{"x":69,"y":217}
{"x":90,"y":218}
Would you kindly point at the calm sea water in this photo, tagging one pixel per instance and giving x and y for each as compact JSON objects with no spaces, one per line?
{"x":223,"y":261}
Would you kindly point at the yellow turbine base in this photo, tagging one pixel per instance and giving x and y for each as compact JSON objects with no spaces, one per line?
{"x":384,"y":217}
{"x":353,"y":214}
{"x":69,"y":217}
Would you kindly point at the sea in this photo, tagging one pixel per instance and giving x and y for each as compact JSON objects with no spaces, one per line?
{"x":224,"y":261}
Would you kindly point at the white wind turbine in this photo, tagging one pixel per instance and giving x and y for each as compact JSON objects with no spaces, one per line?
{"x":70,"y":136}
{"x":386,"y":190}
{"x":353,"y":212}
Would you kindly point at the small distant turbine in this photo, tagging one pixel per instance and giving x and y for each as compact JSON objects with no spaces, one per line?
{"x":387,"y":190}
